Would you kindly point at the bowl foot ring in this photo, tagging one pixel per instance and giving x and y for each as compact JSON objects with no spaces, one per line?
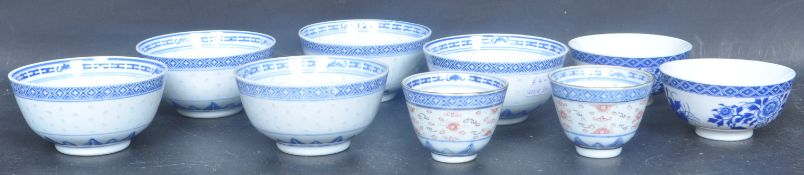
{"x":94,"y":151}
{"x":598,"y":153}
{"x":453,"y":159}
{"x":313,"y":150}
{"x":724,"y":135}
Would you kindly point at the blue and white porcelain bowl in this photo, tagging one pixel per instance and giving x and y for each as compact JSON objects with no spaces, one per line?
{"x":600,"y":107}
{"x":398,"y":44}
{"x":312,"y":105}
{"x":524,"y":61}
{"x":89,"y":106}
{"x":726,"y":99}
{"x":454,"y":113}
{"x":635,"y":50}
{"x":200,"y":80}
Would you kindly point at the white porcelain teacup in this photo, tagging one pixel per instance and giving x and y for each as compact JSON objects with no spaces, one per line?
{"x":600,"y":107}
{"x":454,"y":113}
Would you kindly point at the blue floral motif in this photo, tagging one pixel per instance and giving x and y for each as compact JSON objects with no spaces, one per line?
{"x":682,"y":109}
{"x":747,"y":115}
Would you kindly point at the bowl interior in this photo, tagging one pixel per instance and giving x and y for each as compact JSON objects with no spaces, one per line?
{"x":506,"y":48}
{"x":601,"y":77}
{"x":630,"y":45}
{"x":364,"y":32}
{"x":205,"y":44}
{"x":454,"y":83}
{"x":90,"y":71}
{"x":311,"y":71}
{"x":728,"y":72}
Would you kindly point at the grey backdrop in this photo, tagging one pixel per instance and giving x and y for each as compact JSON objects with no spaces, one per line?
{"x":773,"y":31}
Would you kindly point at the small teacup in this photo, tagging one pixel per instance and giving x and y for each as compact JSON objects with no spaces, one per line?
{"x":600,"y":107}
{"x":200,"y":82}
{"x":454,"y":113}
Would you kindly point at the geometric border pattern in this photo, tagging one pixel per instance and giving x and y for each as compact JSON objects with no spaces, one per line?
{"x":600,"y":95}
{"x":552,"y":51}
{"x":312,"y":93}
{"x":453,"y":101}
{"x":88,"y":93}
{"x":305,"y":64}
{"x":310,"y":32}
{"x":215,"y":38}
{"x":646,"y":64}
{"x":92,"y":93}
{"x":625,"y":61}
{"x":725,"y":91}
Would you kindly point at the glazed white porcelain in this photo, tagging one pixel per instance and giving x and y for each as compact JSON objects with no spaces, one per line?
{"x":395,"y":43}
{"x":311,"y":105}
{"x":600,"y":107}
{"x":454,"y":113}
{"x":726,"y":99}
{"x":200,"y":80}
{"x":524,"y":61}
{"x":636,"y":50}
{"x":89,"y":106}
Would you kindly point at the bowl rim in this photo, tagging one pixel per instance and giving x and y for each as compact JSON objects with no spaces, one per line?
{"x":138,"y":47}
{"x":301,"y":57}
{"x":774,"y":83}
{"x":532,"y":37}
{"x":139,"y":80}
{"x":686,"y":45}
{"x":648,"y":84}
{"x":492,"y":91}
{"x":414,"y":40}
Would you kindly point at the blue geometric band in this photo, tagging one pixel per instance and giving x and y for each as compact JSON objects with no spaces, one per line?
{"x":260,"y":44}
{"x":625,"y":61}
{"x":88,"y":66}
{"x":453,"y":101}
{"x":308,"y":34}
{"x":547,"y":54}
{"x":337,"y":65}
{"x":726,"y":91}
{"x":641,"y":84}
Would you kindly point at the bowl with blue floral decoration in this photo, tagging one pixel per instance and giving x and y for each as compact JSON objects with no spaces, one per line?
{"x":726,"y":99}
{"x":89,"y":106}
{"x":635,"y":50}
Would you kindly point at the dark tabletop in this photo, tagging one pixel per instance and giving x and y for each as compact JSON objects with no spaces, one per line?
{"x":772,"y":31}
